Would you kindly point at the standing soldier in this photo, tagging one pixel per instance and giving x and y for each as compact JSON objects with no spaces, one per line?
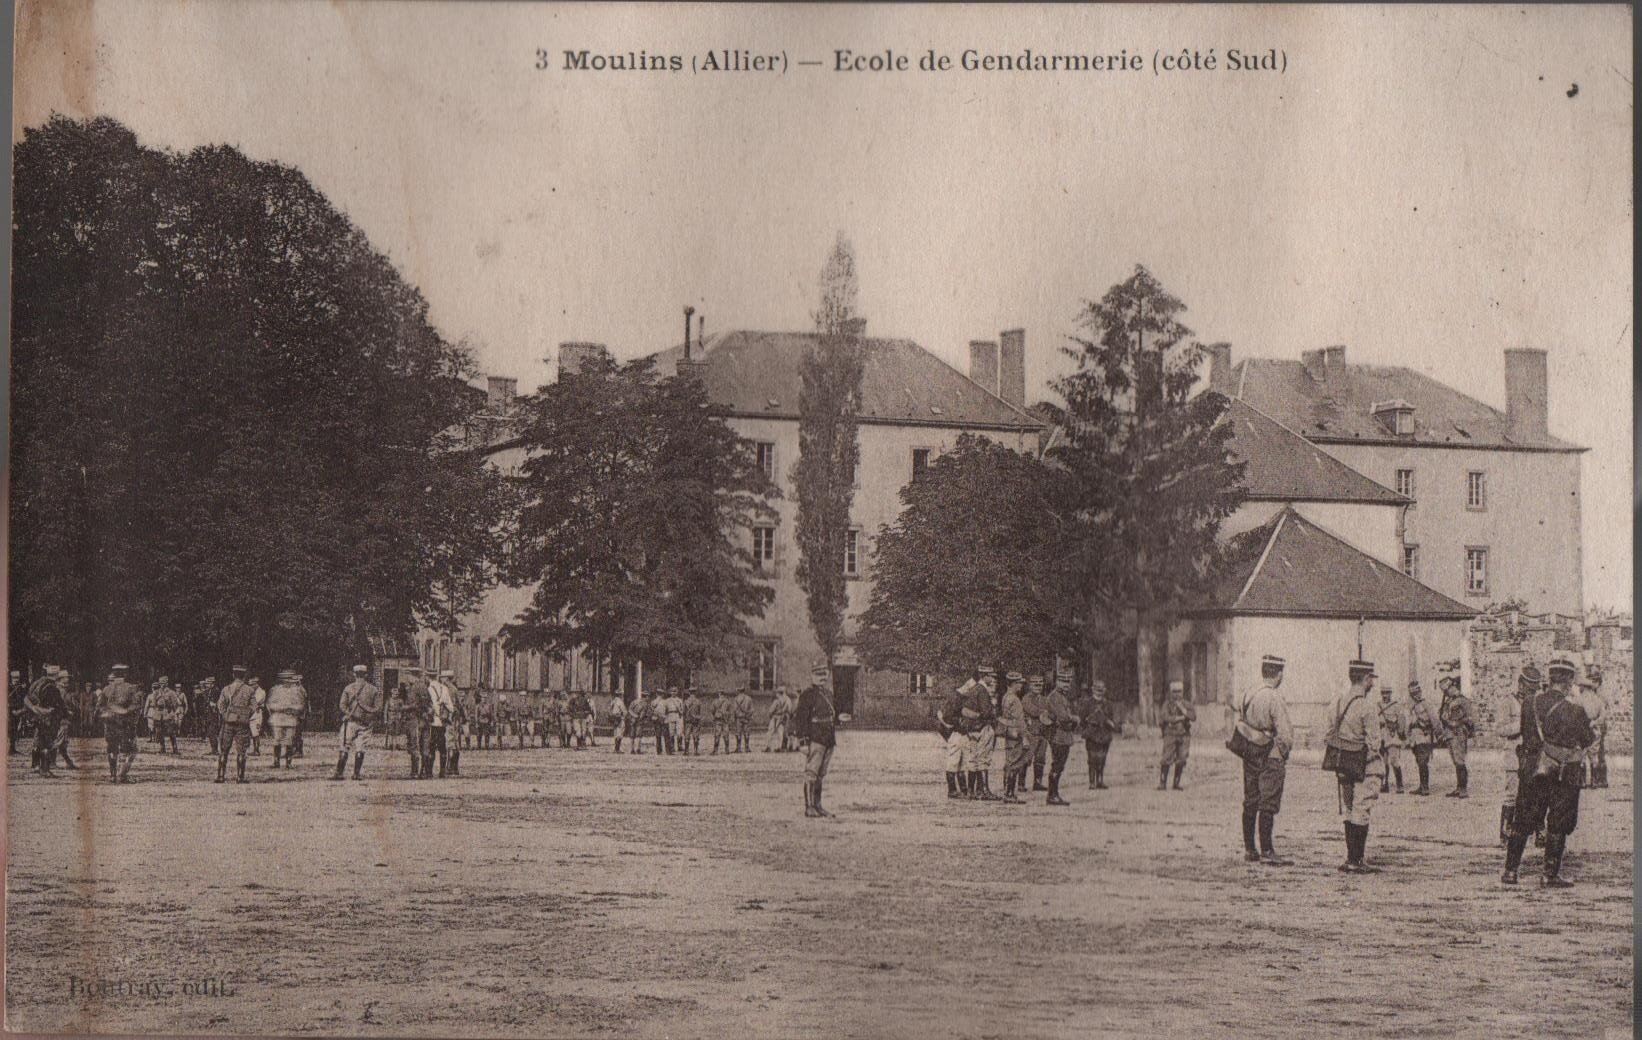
{"x":150,"y":714}
{"x":361,"y":708}
{"x":118,"y":705}
{"x":692,"y":722}
{"x":1099,"y":726}
{"x":506,"y":718}
{"x":1510,"y":729}
{"x":581,"y":717}
{"x":46,"y":703}
{"x":638,"y":717}
{"x":815,"y":725}
{"x":949,"y":723}
{"x":1263,"y":720}
{"x":235,"y":704}
{"x":79,"y":705}
{"x":1555,"y":734}
{"x":617,"y":714}
{"x":1393,"y":738}
{"x":1062,"y":724}
{"x":16,"y":693}
{"x":396,"y":714}
{"x":981,"y":712}
{"x":744,"y":721}
{"x":1596,"y":709}
{"x":259,"y":704}
{"x":287,"y":702}
{"x":1455,"y":716}
{"x":723,"y":720}
{"x":776,"y":738}
{"x":672,"y":714}
{"x":1037,"y":740}
{"x":443,"y":743}
{"x":1012,"y":729}
{"x":169,"y":707}
{"x":1176,"y":723}
{"x":1355,"y":736}
{"x":417,"y":711}
{"x":1422,"y":734}
{"x":486,"y":707}
{"x":205,"y":712}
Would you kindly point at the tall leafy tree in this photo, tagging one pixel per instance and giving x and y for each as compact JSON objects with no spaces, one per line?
{"x":235,"y":431}
{"x":635,"y":497}
{"x":971,"y":567}
{"x":1149,"y":478}
{"x":829,"y":406}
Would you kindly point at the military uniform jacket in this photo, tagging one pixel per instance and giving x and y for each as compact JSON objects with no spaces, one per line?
{"x":361,"y":703}
{"x":1263,"y":717}
{"x":287,"y":699}
{"x":692,"y":709}
{"x":118,"y":699}
{"x":744,"y":708}
{"x":1456,"y":715}
{"x":723,"y":709}
{"x":618,"y":709}
{"x":949,"y":716}
{"x":1013,"y":719}
{"x":504,"y":708}
{"x":977,"y":712}
{"x":1359,"y":725}
{"x":780,"y":708}
{"x":581,"y":707}
{"x":673,"y":707}
{"x":1032,"y":706}
{"x":1422,"y":725}
{"x":1057,"y":713}
{"x":45,"y":700}
{"x":1178,"y":717}
{"x":168,"y":705}
{"x":1549,"y":716}
{"x":236,"y":702}
{"x":1097,"y":722}
{"x":815,"y":719}
{"x":1394,"y":724}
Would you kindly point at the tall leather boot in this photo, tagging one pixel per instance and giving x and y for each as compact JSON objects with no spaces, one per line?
{"x":809,"y":799}
{"x":1179,"y":767}
{"x":455,"y":755}
{"x":1268,"y":851}
{"x":963,"y":783}
{"x":358,"y":764}
{"x":1505,"y":824}
{"x":1513,"y":857}
{"x":1009,"y":796}
{"x":1163,"y":778}
{"x":819,"y":784}
{"x":62,"y":749}
{"x":986,"y":787}
{"x":125,"y":767}
{"x":416,"y":767}
{"x":1100,"y":778}
{"x":1555,"y":846}
{"x":1350,"y":865}
{"x":1054,"y":792}
{"x":1399,"y":771}
{"x":114,"y":767}
{"x":1037,"y":776}
{"x":222,"y":769}
{"x":951,"y":785}
{"x":341,"y":764}
{"x":1250,"y":852}
{"x":1425,"y":778}
{"x":277,"y":750}
{"x":1463,"y":791}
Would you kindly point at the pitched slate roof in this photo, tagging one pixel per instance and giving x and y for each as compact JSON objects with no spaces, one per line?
{"x":1290,"y":567}
{"x":757,"y":373}
{"x":1339,"y":408}
{"x":1281,"y":465}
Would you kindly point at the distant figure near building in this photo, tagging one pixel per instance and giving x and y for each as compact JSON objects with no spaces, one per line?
{"x":361,"y":705}
{"x":1099,"y":727}
{"x":1176,"y":722}
{"x":1457,"y":728}
{"x":815,"y":723}
{"x":1012,"y":734}
{"x":1422,"y":734}
{"x":743,"y":721}
{"x":1062,"y":725}
{"x":1510,"y":729}
{"x":1393,"y":738}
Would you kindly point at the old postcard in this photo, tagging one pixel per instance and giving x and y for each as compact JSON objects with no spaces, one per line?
{"x":541,"y":520}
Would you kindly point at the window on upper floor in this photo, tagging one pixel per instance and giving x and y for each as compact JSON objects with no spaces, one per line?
{"x":1476,"y":490}
{"x":920,"y":462}
{"x":852,"y":552}
{"x":763,"y":546}
{"x":761,"y":666}
{"x":918,"y":684}
{"x":764,"y":451}
{"x":1476,"y":570}
{"x":1405,"y":483}
{"x":1411,"y":561}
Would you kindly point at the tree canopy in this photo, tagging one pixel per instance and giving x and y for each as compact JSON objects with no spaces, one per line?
{"x":635,"y":500}
{"x":233,"y":422}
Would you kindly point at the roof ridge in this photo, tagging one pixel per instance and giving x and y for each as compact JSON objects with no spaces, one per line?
{"x":1325,"y":532}
{"x":1260,"y":564}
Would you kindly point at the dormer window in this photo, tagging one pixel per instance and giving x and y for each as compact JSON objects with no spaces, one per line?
{"x":1396,"y":417}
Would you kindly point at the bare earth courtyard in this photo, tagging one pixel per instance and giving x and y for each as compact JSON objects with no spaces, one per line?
{"x":553,"y":893}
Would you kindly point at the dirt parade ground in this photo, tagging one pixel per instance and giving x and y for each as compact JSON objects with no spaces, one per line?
{"x":557,"y":893}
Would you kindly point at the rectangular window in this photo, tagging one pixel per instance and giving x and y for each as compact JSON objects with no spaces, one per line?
{"x":1411,"y":561}
{"x":763,"y":546}
{"x":852,"y":552}
{"x":1476,"y":571}
{"x":1476,"y":490}
{"x":920,"y":462}
{"x":761,"y":667}
{"x":765,"y":451}
{"x":1405,"y":483}
{"x":918,"y":684}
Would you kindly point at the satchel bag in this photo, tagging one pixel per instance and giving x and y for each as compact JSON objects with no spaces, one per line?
{"x":1552,"y":757}
{"x":1242,"y":746}
{"x":1348,"y":764}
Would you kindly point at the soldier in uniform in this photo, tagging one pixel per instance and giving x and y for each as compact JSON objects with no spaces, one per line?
{"x":1458,"y":727}
{"x":169,"y":708}
{"x":287,"y":702}
{"x":776,"y":737}
{"x":1036,"y":739}
{"x":118,"y":705}
{"x":235,"y":705}
{"x":1176,"y":723}
{"x":507,"y":719}
{"x":815,"y":723}
{"x":1422,"y":734}
{"x":485,"y":705}
{"x":638,"y":717}
{"x":79,"y":705}
{"x":45,"y":702}
{"x":1262,"y":718}
{"x":1555,"y":733}
{"x":1099,"y":726}
{"x":1596,"y":709}
{"x":1357,"y":729}
{"x":418,"y":715}
{"x":1393,"y":738}
{"x":259,"y":707}
{"x":1509,"y":729}
{"x":617,"y":714}
{"x":1012,"y":731}
{"x":744,"y":721}
{"x":949,"y":723}
{"x":723,"y":720}
{"x":150,"y":714}
{"x":581,"y":718}
{"x":16,"y":692}
{"x":980,"y":713}
{"x":692,"y":723}
{"x":1062,"y":723}
{"x":205,"y":712}
{"x":361,"y":708}
{"x":443,"y":743}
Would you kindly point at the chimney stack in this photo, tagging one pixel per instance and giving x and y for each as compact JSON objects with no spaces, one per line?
{"x":1525,"y":396}
{"x":688,"y":311}
{"x":1220,"y":367}
{"x":983,"y":364}
{"x":499,"y":393}
{"x":1320,"y":364}
{"x":1012,"y":366}
{"x":573,"y":357}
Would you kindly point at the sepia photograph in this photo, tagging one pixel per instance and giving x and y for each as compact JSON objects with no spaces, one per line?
{"x":534,"y":520}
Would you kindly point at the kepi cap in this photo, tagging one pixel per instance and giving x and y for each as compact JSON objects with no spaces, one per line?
{"x":1561,"y":666}
{"x":1361,"y":668}
{"x":1272,"y":661}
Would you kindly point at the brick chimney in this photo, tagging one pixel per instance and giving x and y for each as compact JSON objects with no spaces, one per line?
{"x":499,"y":393}
{"x":1220,"y":367}
{"x":1525,"y":396}
{"x":573,"y":357}
{"x":983,"y":363}
{"x":1012,"y":366}
{"x":1320,"y":364}
{"x":694,"y":361}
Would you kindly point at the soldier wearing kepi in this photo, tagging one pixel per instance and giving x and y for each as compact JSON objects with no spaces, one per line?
{"x":169,"y":706}
{"x":1509,"y":729}
{"x":1354,"y":739}
{"x":45,"y":702}
{"x":361,"y":705}
{"x":118,"y":705}
{"x":1458,"y":727}
{"x":954,"y":741}
{"x":1062,"y":724}
{"x":744,"y":721}
{"x":1037,"y":740}
{"x":1176,"y":722}
{"x":1393,"y":738}
{"x":1555,"y":734}
{"x":1099,"y":727}
{"x":235,"y":705}
{"x":1012,"y":732}
{"x":815,"y":723}
{"x":287,"y":702}
{"x":1262,"y":720}
{"x":1422,"y":734}
{"x":981,"y":714}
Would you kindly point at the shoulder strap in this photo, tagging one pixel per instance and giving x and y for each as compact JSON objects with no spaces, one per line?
{"x":1349,"y":702}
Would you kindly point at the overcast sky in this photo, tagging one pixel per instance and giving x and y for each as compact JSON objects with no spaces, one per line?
{"x":1419,"y":185}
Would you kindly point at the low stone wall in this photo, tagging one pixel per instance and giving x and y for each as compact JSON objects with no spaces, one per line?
{"x":1494,"y":668}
